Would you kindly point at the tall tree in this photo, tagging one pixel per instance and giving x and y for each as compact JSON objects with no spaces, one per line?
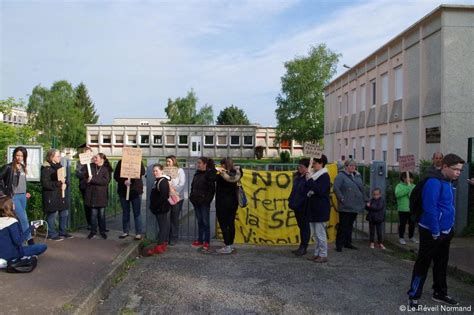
{"x":183,"y":111}
{"x":300,"y":106}
{"x":85,"y":105}
{"x":232,"y":115}
{"x":52,"y":112}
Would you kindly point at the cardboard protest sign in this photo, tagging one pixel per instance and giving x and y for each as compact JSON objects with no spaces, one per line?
{"x":171,"y":171}
{"x":406,"y":163}
{"x":86,"y":159}
{"x":312,"y":150}
{"x":62,"y":177}
{"x":131,"y":163}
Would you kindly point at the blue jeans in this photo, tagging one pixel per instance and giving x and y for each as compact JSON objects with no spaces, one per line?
{"x":36,"y":249}
{"x":20,"y":209}
{"x":98,"y":216}
{"x":136,"y":204}
{"x":63,"y":219}
{"x":203,"y":214}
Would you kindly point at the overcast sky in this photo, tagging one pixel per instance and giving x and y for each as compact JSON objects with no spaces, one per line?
{"x":134,"y":55}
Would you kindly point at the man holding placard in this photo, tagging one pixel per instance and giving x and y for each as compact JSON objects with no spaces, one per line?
{"x":135,"y":188}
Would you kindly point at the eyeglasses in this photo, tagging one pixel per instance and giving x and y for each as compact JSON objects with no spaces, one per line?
{"x":456,"y":169}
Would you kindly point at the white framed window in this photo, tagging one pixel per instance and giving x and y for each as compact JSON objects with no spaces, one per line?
{"x":363,"y":95}
{"x":354,"y":148}
{"x":354,"y":101}
{"x":170,"y":139}
{"x":183,"y":139}
{"x":384,"y":146}
{"x":208,"y":140}
{"x":131,"y":139}
{"x":339,"y":101}
{"x":106,"y":139}
{"x":144,"y":139}
{"x":372,"y":147}
{"x":221,"y":140}
{"x":373,"y":93}
{"x":94,"y":138}
{"x":397,"y":146}
{"x":398,"y":83}
{"x":234,"y":140}
{"x":346,"y":103}
{"x":384,"y":89}
{"x":118,"y":138}
{"x":362,"y":148}
{"x":248,"y":140}
{"x":157,"y":139}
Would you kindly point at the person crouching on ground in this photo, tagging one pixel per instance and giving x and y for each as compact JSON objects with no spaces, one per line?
{"x":203,"y":188}
{"x":11,"y":234}
{"x":160,"y":207}
{"x":227,"y":202}
{"x":297,"y":203}
{"x":376,"y":217}
{"x":319,"y":207}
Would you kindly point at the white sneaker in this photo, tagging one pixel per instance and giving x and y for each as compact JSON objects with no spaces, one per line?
{"x":402,"y":241}
{"x":414,"y":240}
{"x":224,"y":250}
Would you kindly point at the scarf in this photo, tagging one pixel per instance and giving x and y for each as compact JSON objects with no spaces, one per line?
{"x":316,"y":175}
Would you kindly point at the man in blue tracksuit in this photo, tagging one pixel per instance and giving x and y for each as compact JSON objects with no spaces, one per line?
{"x":436,"y":231}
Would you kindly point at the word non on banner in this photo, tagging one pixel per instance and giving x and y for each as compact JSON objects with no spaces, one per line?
{"x":131,"y":163}
{"x":267,"y":219}
{"x":312,"y":150}
{"x":406,"y":163}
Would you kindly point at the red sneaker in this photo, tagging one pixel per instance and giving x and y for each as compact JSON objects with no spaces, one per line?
{"x":205,"y":246}
{"x":160,"y":249}
{"x":196,"y":244}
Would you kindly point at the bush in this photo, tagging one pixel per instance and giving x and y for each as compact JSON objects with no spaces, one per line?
{"x":285,"y":157}
{"x":258,"y":151}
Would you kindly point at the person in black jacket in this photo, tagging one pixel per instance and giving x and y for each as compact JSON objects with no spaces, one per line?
{"x":227,"y":202}
{"x":53,"y":201}
{"x":160,"y":207}
{"x":203,"y":188}
{"x":297,"y":203}
{"x":13,"y":184}
{"x":376,"y":217}
{"x":318,"y":206}
{"x":97,"y":193}
{"x":134,"y":201}
{"x":81,"y":174}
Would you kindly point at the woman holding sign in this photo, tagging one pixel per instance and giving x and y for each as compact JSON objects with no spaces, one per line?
{"x":178,"y":180}
{"x":203,"y":188}
{"x":227,"y":202}
{"x":13,"y":184}
{"x":54,"y":201}
{"x":97,"y":193}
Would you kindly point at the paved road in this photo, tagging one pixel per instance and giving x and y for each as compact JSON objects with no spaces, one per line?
{"x":268,"y":280}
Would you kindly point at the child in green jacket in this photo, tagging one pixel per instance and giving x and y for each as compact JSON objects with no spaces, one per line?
{"x":402,"y":193}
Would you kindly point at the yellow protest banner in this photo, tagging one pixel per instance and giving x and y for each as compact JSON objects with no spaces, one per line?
{"x":267,"y":219}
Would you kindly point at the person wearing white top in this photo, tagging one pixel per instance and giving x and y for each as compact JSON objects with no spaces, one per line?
{"x":178,"y":183}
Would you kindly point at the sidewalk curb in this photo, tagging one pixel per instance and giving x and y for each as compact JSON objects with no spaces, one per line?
{"x":89,"y":297}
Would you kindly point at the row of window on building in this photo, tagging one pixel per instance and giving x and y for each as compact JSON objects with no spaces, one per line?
{"x":356,"y":100}
{"x":14,"y":119}
{"x":171,"y":140}
{"x":359,"y":148}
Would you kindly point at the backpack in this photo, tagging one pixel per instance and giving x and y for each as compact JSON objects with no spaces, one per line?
{"x":22,"y":265}
{"x":416,"y":200}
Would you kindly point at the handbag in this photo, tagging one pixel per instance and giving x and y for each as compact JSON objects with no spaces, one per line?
{"x":241,"y":197}
{"x":173,"y":199}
